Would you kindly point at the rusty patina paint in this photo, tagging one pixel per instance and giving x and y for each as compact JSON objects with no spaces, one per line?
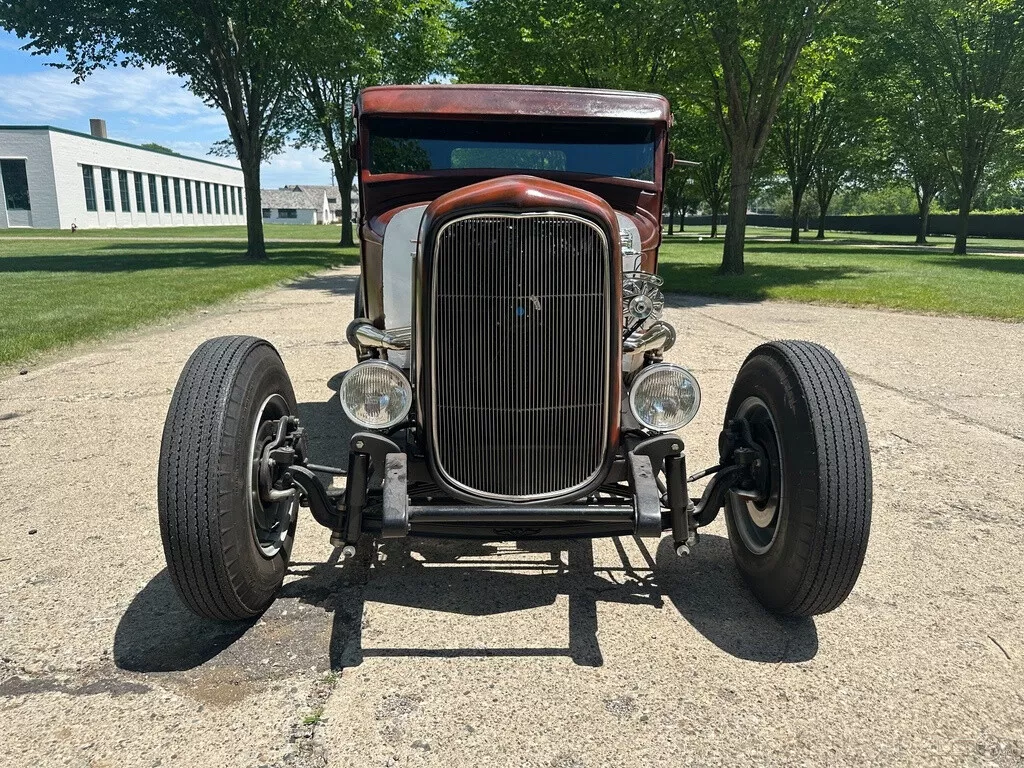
{"x":382,"y":195}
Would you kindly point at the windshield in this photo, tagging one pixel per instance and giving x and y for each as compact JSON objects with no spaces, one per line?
{"x":403,"y":145}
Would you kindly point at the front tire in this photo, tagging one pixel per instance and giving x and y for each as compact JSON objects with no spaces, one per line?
{"x":800,"y":546}
{"x":227,"y":551}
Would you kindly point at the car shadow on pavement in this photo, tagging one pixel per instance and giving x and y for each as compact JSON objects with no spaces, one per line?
{"x":708,"y":591}
{"x":469,"y":578}
{"x":159,"y":634}
{"x":476,"y":579}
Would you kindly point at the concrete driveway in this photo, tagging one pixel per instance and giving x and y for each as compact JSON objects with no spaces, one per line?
{"x":568,"y":655}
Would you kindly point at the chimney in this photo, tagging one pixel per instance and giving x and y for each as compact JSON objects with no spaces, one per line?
{"x":98,"y":128}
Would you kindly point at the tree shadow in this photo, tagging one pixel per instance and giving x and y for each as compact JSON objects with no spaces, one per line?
{"x":335,"y":284}
{"x":827,"y":250}
{"x":145,"y":255}
{"x":755,"y":283}
{"x":1013,"y":265}
{"x":760,"y":240}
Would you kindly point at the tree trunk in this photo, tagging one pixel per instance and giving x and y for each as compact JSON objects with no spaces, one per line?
{"x":253,"y":208}
{"x":960,"y":246}
{"x":347,"y":237}
{"x":824,"y":201}
{"x":682,"y":219}
{"x":923,"y":211}
{"x":736,"y":220}
{"x":794,"y":227}
{"x":342,"y":170}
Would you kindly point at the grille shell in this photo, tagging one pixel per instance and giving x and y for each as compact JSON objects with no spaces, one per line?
{"x":520,"y":354}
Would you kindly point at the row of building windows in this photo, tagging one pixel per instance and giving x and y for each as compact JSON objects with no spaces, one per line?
{"x":219,"y":198}
{"x":282,"y":213}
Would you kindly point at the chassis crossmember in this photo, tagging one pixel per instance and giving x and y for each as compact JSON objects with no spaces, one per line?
{"x":388,"y":492}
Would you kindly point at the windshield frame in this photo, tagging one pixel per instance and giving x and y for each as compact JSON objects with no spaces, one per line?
{"x":567,"y":126}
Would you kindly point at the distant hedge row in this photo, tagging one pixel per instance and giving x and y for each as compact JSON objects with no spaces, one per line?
{"x":1006,"y":225}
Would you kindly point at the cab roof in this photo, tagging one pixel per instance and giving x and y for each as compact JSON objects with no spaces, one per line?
{"x":518,"y":101}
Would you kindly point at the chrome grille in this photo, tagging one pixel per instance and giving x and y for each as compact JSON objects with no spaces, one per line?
{"x":520,"y":351}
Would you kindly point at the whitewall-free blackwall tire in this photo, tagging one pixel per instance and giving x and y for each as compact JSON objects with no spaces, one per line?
{"x":226,"y":553}
{"x":800,"y":548}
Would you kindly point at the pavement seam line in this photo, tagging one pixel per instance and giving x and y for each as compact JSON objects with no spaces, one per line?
{"x":857,"y":376}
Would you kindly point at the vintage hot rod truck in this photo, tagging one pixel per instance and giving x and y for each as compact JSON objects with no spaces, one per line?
{"x":509,"y":380}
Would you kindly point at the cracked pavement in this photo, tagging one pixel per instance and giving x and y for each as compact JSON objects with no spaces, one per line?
{"x":561,"y":654}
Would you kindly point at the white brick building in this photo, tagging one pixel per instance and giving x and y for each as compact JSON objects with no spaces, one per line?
{"x":52,"y":178}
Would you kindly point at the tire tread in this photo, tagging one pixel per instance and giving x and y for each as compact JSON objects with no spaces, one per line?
{"x":833,"y":492}
{"x":844,"y":478}
{"x":200,"y":426}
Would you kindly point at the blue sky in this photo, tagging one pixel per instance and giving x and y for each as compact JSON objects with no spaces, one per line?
{"x":139,"y":105}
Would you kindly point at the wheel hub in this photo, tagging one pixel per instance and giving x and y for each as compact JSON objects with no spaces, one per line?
{"x":272,"y":501}
{"x":756,"y":507}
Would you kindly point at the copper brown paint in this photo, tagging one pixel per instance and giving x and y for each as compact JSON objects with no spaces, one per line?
{"x":513,"y":100}
{"x":382,"y":195}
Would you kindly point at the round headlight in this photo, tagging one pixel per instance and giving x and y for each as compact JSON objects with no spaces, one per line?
{"x":664,"y":397}
{"x":375,"y":395}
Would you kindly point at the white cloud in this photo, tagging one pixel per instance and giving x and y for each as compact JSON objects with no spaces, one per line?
{"x":140,"y":105}
{"x":51,"y":95}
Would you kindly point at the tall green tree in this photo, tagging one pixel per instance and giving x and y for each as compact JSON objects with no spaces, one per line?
{"x":631,"y":44}
{"x":233,"y":54}
{"x":734,"y":57}
{"x":713,"y":182}
{"x":966,"y":58}
{"x":815,"y":111}
{"x":345,"y":47}
{"x":804,"y":130}
{"x":746,"y":51}
{"x":680,"y":196}
{"x":917,"y":163}
{"x":833,"y":169}
{"x":696,"y":136}
{"x":909,"y":133}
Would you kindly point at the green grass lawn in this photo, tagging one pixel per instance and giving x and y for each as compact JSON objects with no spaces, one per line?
{"x":935,"y":242}
{"x":322,"y":232}
{"x":54,"y":293}
{"x":859,"y":275}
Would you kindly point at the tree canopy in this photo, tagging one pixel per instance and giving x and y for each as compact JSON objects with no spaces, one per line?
{"x":825,"y":97}
{"x":343,"y":48}
{"x":234,"y":54}
{"x":965,"y":61}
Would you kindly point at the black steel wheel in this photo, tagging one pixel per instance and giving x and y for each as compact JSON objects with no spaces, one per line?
{"x":226,"y":537}
{"x":799,"y":539}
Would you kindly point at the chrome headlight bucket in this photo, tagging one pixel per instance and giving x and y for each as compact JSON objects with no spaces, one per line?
{"x":664,"y":397}
{"x":375,"y":395}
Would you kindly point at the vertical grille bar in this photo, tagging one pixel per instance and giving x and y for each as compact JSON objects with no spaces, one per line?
{"x":520,"y":353}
